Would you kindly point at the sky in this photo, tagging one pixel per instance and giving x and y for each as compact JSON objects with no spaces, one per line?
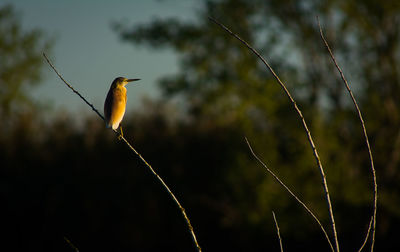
{"x":89,"y":54}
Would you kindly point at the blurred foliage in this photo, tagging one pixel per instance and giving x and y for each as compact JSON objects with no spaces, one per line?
{"x":20,"y":64}
{"x":58,"y":180}
{"x":222,"y":82}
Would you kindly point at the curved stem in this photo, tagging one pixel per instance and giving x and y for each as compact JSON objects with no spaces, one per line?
{"x":291,"y":193}
{"x":137,"y":153}
{"x":373,"y":226}
{"x":309,"y":137}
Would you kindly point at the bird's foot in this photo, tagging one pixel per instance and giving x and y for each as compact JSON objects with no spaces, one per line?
{"x":121,"y":134}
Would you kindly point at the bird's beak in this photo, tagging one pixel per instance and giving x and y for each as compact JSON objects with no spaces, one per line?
{"x":130,"y":80}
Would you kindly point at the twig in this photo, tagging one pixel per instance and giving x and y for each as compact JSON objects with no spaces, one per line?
{"x":68,"y":85}
{"x":291,"y":193}
{"x":71,"y":245}
{"x":366,"y":141}
{"x":137,"y":153}
{"x":366,"y":237}
{"x":277,"y":231}
{"x":170,"y":193}
{"x":309,"y":137}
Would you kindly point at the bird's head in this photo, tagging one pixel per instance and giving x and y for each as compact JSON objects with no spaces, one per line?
{"x":121,"y":81}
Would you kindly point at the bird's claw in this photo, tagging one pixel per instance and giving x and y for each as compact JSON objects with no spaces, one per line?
{"x":121,"y":134}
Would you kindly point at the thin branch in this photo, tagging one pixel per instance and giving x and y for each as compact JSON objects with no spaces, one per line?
{"x":365,"y":136}
{"x":68,"y":85}
{"x":277,"y":231}
{"x":170,"y":193}
{"x":366,"y":237}
{"x":291,"y":193}
{"x":137,"y":153}
{"x":71,"y":245}
{"x":309,"y":137}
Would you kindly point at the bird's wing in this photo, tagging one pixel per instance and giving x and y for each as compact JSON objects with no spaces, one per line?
{"x":107,"y":105}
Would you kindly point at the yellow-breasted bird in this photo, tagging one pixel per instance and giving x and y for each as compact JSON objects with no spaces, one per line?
{"x":115,"y":104}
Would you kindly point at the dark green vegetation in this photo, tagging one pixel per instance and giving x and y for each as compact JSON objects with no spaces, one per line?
{"x":83,"y":184}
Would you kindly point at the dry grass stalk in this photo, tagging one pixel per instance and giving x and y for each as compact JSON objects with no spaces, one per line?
{"x":366,"y":237}
{"x":309,"y":137}
{"x":277,"y":231}
{"x":373,"y":226}
{"x":137,"y":153}
{"x":291,"y":193}
{"x":71,"y":244}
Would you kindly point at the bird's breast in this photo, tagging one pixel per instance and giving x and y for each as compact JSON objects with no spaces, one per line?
{"x":114,"y":106}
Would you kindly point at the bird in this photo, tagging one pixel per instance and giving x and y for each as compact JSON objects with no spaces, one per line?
{"x":115,"y":104}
